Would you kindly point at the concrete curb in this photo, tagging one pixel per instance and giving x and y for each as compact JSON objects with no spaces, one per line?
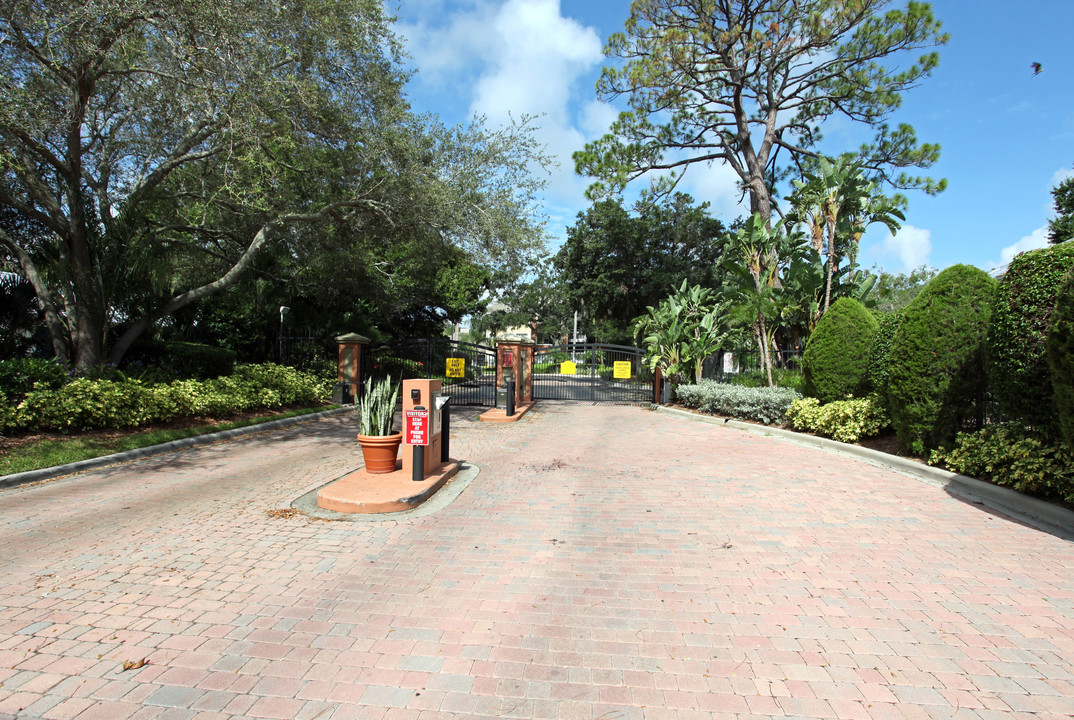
{"x":9,"y":481}
{"x":1038,"y":513}
{"x":442,"y":498}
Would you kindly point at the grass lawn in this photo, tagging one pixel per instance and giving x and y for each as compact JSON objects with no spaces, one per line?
{"x":32,"y":452}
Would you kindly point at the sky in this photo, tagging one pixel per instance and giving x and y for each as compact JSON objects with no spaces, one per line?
{"x":1007,"y":135}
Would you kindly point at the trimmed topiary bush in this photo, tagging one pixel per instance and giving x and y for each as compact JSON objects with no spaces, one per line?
{"x":836,"y":359}
{"x":1061,"y":357}
{"x":880,"y":359}
{"x":1018,"y":367}
{"x":937,"y":379}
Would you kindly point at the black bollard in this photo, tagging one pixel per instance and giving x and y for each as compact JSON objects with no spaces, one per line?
{"x":445,"y":431}
{"x":418,"y":473}
{"x":510,"y":398}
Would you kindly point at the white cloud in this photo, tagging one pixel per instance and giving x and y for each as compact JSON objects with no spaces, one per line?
{"x":536,"y":55}
{"x":911,"y":245}
{"x":597,"y":118}
{"x":1036,"y":239}
{"x":514,"y":58}
{"x":716,"y":184}
{"x":1060,"y":175}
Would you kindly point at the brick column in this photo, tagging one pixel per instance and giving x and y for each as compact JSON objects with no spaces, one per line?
{"x":351,"y":346}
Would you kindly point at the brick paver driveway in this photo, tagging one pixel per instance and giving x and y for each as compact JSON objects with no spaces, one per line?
{"x":607,"y":562}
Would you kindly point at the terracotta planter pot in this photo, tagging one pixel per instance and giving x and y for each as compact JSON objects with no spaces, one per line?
{"x":380,"y":452}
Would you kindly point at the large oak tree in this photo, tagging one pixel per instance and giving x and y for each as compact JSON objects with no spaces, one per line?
{"x":157,"y":146}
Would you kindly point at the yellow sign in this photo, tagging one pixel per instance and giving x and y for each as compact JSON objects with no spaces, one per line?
{"x":622,"y":370}
{"x":456,"y":367}
{"x":567,"y":368}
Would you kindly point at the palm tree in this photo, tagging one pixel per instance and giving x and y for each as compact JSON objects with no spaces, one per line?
{"x":752,"y":261}
{"x":836,"y":203}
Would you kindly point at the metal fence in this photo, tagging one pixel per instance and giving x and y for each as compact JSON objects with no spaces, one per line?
{"x":721,"y":365}
{"x":425,"y":358}
{"x":592,"y":372}
{"x":306,"y":349}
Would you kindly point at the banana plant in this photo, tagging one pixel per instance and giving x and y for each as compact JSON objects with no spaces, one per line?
{"x":709,"y":335}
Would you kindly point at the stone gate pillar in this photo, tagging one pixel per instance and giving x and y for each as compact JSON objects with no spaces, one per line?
{"x":519,"y":353}
{"x":351,"y":346}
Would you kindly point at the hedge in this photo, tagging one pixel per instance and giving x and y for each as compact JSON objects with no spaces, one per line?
{"x":86,"y":403}
{"x":1014,"y":456}
{"x":836,"y":359}
{"x":1061,"y":357}
{"x":1022,"y":308}
{"x":764,"y":405}
{"x":843,"y":420}
{"x":880,"y":359}
{"x":937,"y":379}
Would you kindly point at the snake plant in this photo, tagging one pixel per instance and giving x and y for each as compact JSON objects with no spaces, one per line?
{"x":377,"y":408}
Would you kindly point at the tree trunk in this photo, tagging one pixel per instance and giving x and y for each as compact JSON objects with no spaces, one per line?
{"x":123,"y":344}
{"x":57,"y":331}
{"x":760,"y":331}
{"x":828,"y":283}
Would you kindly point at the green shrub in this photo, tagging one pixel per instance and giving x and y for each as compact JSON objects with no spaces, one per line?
{"x":765,"y":405}
{"x":1014,"y":456}
{"x":843,"y":420}
{"x":8,"y":414}
{"x":1061,"y":357}
{"x":836,"y":359}
{"x":782,"y":377}
{"x":1022,"y":308}
{"x":158,"y":361}
{"x":546,"y":368}
{"x":937,"y":359}
{"x":19,"y":376}
{"x":85,"y":403}
{"x":880,"y":358}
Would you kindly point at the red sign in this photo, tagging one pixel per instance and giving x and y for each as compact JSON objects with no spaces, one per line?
{"x":508,"y":358}
{"x":416,"y":427}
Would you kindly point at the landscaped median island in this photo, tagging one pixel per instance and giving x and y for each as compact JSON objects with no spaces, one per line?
{"x":48,"y":418}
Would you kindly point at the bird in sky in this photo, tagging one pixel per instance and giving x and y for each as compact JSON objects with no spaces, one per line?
{"x":1037,"y":68}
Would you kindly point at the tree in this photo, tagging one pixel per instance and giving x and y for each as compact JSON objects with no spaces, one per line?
{"x":894,"y":291}
{"x":683,"y":330}
{"x":837,"y":204}
{"x":751,"y":82}
{"x":751,"y":260}
{"x":614,"y":264}
{"x":1061,"y":227}
{"x":164,"y":144}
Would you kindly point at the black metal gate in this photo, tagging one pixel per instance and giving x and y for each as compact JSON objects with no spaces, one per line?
{"x":469,"y":382}
{"x":592,"y":372}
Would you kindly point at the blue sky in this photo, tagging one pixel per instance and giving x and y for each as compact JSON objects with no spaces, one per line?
{"x":1007,"y":137}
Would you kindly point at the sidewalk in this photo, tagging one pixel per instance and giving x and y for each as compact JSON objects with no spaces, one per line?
{"x":606,"y":562}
